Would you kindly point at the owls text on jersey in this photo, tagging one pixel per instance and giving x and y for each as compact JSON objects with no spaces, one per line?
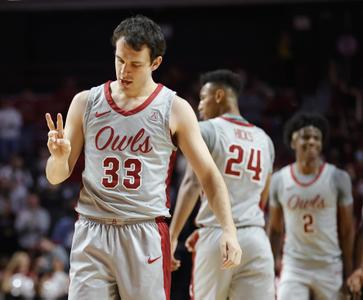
{"x":310,"y":206}
{"x":128,"y":157}
{"x":244,"y":155}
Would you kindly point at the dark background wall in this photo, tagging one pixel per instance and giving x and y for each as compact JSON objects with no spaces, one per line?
{"x":38,"y":48}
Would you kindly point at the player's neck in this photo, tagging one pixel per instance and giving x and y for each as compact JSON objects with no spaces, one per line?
{"x":231,"y":110}
{"x":309,"y":167}
{"x":133,"y":94}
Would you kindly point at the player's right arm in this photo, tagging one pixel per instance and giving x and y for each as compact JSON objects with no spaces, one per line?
{"x":65,"y":144}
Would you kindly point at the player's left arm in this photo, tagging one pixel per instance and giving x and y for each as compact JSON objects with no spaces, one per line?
{"x":265,"y":192}
{"x":346,"y":237}
{"x":266,"y":189}
{"x":345,"y":219}
{"x":184,"y":125}
{"x":188,"y":193}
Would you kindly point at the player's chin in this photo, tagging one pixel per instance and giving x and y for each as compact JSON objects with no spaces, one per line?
{"x":312,"y":153}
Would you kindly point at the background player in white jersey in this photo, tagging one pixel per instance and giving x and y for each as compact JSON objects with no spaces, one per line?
{"x":313,"y":199}
{"x":121,"y":245}
{"x":244,"y":155}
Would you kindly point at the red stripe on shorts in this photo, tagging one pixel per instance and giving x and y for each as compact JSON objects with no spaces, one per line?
{"x":165,"y":250}
{"x":191,"y":286}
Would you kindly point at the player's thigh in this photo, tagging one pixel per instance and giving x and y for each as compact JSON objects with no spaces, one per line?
{"x":92,"y":288}
{"x":90,"y":275}
{"x":256,"y":286}
{"x":209,"y":281}
{"x":328,"y":282}
{"x":296,"y":290}
{"x":144,"y":273}
{"x":254,"y":279}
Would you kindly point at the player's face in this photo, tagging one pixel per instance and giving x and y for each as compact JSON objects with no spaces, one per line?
{"x":208,"y":105}
{"x":307,"y":142}
{"x":133,"y":68}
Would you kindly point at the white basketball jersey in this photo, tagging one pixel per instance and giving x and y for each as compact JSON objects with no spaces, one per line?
{"x":128,"y":157}
{"x":244,"y":155}
{"x":310,"y":215}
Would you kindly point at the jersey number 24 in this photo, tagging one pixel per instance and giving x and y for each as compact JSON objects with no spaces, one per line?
{"x":236,"y":160}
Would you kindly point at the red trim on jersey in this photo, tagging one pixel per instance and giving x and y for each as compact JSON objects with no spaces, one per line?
{"x":237,"y":122}
{"x":165,"y":250}
{"x":305,"y":184}
{"x":137,"y":109}
{"x":168,"y":177}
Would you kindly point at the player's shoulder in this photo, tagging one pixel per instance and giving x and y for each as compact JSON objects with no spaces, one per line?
{"x":95,"y":91}
{"x":81,"y":98}
{"x":277,"y":178}
{"x":180,"y":103}
{"x":182,"y":115}
{"x":279,"y":173}
{"x":181,"y":109}
{"x":263,"y":136}
{"x":338,"y":173}
{"x":82,"y":94}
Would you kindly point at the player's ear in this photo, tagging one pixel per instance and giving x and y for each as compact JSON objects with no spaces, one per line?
{"x":156,"y":63}
{"x":219,"y":95}
{"x":293,"y":140}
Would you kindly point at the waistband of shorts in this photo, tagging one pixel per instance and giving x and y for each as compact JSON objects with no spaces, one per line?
{"x":120,"y":222}
{"x":237,"y":227}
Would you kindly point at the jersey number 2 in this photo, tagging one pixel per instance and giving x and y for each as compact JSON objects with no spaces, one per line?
{"x":132,"y":178}
{"x":253,"y":165}
{"x":308,"y":223}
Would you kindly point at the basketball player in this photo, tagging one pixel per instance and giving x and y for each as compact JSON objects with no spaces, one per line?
{"x":121,"y":244}
{"x":355,"y":281}
{"x":244,"y":155}
{"x":313,"y":199}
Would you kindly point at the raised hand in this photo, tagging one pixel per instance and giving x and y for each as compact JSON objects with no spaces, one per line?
{"x":59,"y":146}
{"x":230,"y":250}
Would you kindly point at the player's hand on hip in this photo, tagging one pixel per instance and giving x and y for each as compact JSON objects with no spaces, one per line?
{"x":59,"y":146}
{"x":175,"y":263}
{"x":191,"y":241}
{"x":355,"y":280}
{"x":230,"y":250}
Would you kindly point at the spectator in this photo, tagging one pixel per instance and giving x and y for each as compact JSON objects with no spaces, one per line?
{"x":32,"y":223}
{"x":11,"y":122}
{"x":17,"y":283}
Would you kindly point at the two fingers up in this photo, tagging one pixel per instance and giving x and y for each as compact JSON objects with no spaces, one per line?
{"x":57,"y":144}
